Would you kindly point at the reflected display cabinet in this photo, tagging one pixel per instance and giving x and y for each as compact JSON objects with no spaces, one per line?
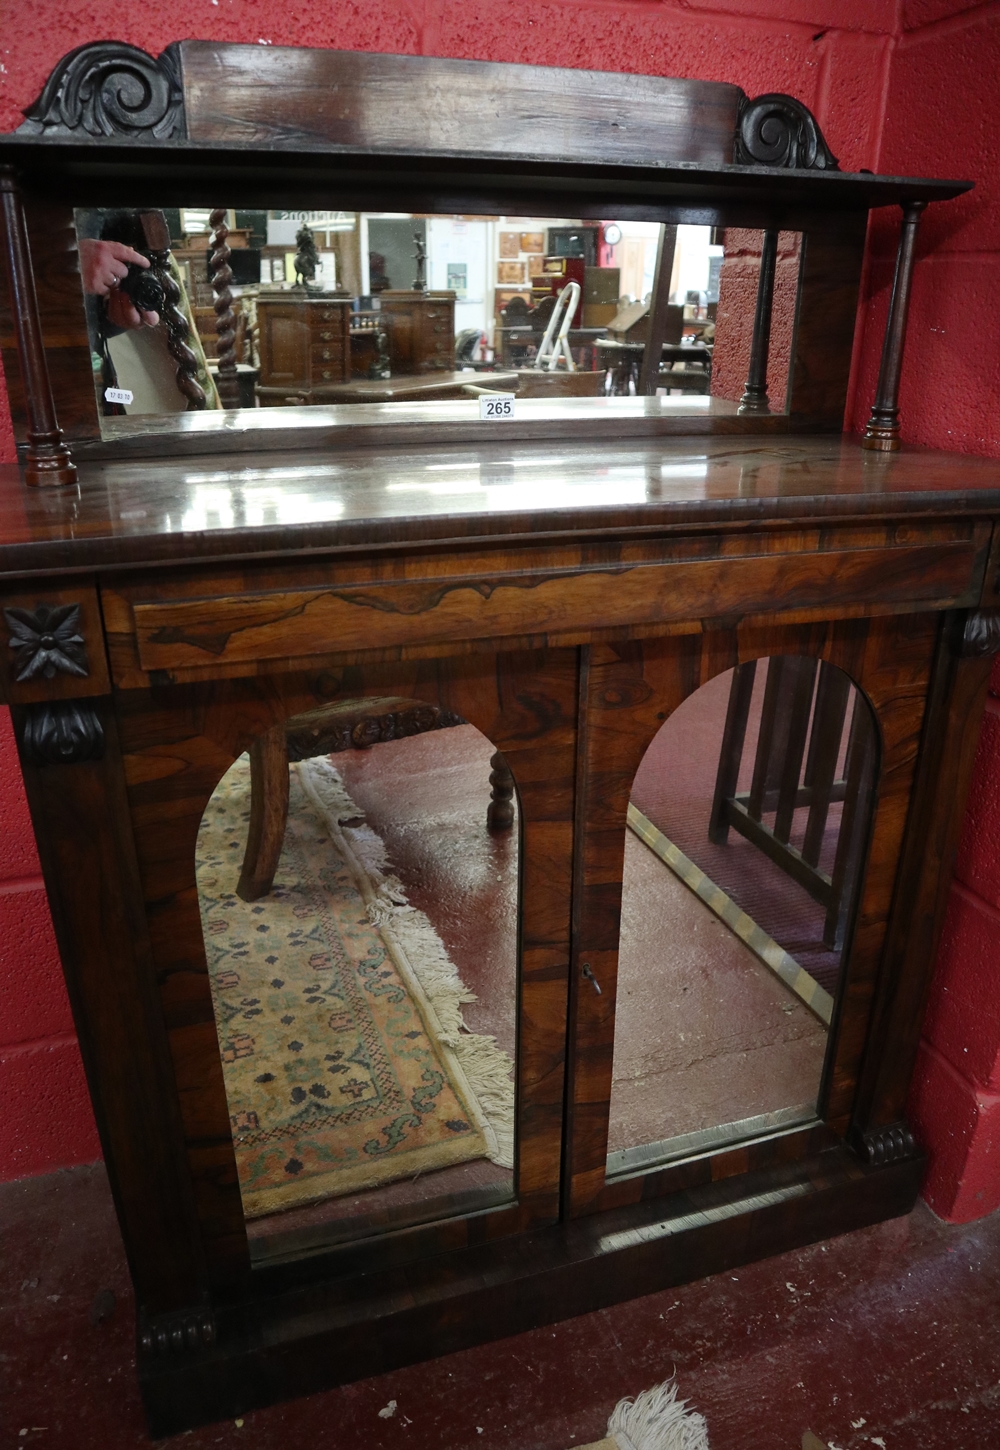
{"x":497,"y":863}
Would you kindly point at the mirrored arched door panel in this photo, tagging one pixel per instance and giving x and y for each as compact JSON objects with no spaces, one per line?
{"x":747,"y":831}
{"x":358,"y":884}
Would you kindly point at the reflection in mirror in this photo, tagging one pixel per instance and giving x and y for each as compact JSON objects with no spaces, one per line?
{"x":357,"y":876}
{"x":196,"y":310}
{"x":748,"y":826}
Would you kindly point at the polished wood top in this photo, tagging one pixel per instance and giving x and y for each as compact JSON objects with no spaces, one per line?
{"x":201,"y":509}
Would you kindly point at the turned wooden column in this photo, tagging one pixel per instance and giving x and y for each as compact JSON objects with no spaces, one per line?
{"x":754,"y":399}
{"x":225,"y":319}
{"x":652,"y":357}
{"x":48,"y":459}
{"x":883,"y":425}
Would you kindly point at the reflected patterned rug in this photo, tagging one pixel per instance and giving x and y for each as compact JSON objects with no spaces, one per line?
{"x":346,"y":1061}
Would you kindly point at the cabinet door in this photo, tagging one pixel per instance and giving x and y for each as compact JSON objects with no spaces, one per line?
{"x":742,"y":804}
{"x":329,"y":1089}
{"x":403,"y":326}
{"x":284,"y":346}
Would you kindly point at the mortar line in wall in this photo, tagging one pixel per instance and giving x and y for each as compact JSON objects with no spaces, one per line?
{"x":947,"y":25}
{"x":33,"y":1044}
{"x":735,"y":18}
{"x":21,"y":883}
{"x":888,"y":53}
{"x":977,"y":1085}
{"x":974,"y":898}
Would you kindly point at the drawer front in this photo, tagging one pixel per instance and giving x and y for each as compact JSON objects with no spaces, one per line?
{"x":251,"y":627}
{"x":329,"y":316}
{"x":325,"y":354}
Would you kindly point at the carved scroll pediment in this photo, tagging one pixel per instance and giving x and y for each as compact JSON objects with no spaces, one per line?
{"x":111,"y":89}
{"x":778,"y":130}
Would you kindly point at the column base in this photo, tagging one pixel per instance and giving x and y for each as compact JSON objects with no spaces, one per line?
{"x":48,"y":462}
{"x":882,"y":432}
{"x":753,"y":406}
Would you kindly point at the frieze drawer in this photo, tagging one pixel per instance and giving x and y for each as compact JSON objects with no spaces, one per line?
{"x":247,"y":628}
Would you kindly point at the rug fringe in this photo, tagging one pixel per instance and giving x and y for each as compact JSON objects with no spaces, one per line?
{"x":658,"y":1420}
{"x":411,"y":936}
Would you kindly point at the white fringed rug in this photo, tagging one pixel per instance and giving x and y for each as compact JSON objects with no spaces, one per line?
{"x":654,"y":1420}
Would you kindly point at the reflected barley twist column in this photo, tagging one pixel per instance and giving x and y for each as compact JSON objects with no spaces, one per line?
{"x":174,"y":321}
{"x":225,"y":318}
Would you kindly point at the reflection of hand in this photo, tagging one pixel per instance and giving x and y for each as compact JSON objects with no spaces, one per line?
{"x":122,"y":312}
{"x":103,"y":265}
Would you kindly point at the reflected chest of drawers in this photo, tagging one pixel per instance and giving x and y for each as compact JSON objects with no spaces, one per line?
{"x":421,"y":328}
{"x":304,"y":347}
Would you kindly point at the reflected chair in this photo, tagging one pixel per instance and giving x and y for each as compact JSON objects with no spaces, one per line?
{"x":802,"y":719}
{"x":346,"y":725}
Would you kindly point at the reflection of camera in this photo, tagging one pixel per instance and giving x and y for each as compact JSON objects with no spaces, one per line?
{"x":143,"y":288}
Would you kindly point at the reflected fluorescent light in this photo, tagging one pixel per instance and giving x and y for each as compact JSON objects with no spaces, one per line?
{"x":264,"y":475}
{"x":684,"y":470}
{"x":227,"y":508}
{"x":536,"y":492}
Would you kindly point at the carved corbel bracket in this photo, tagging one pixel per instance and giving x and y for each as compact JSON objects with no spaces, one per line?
{"x":61,"y":732}
{"x":111,"y":89}
{"x":890,"y":1144}
{"x":981,"y":635}
{"x":778,"y":130}
{"x":187,"y":1329}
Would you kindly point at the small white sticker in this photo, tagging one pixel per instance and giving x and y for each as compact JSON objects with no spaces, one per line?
{"x":496,"y":405}
{"x":118,"y":395}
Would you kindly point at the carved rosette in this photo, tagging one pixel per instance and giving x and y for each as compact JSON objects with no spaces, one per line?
{"x":46,"y":642}
{"x":225,"y":318}
{"x":891,"y":1144}
{"x":61,"y":732}
{"x":778,"y":130}
{"x":981,"y":635}
{"x":111,"y":89}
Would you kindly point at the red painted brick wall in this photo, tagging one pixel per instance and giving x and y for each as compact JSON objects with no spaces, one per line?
{"x":895,"y":84}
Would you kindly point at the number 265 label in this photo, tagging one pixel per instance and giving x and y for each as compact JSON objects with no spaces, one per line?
{"x":497,"y":405}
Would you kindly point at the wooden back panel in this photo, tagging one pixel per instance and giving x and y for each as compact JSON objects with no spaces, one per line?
{"x":254,"y":93}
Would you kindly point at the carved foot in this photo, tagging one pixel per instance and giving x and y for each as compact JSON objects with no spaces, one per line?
{"x":173,"y":1333}
{"x":889,"y":1144}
